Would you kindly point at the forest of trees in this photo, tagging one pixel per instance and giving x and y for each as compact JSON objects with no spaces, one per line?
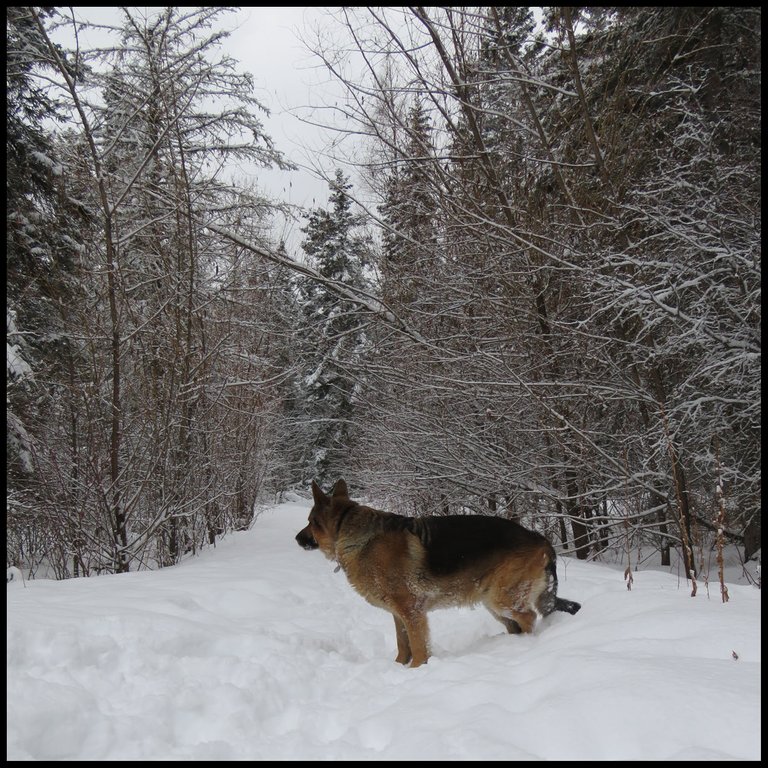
{"x":534,"y":292}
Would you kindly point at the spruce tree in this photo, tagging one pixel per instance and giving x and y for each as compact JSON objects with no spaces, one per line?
{"x":409,"y":212}
{"x":44,"y":232}
{"x":332,"y":338}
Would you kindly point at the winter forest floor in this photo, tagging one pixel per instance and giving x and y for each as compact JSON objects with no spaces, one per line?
{"x":257,"y":650}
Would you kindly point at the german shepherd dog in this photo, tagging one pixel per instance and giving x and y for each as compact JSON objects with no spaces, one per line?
{"x":409,"y":566}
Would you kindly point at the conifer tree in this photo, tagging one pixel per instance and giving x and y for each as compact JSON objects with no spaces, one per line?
{"x":44,"y":234}
{"x":332,"y":338}
{"x":409,"y":212}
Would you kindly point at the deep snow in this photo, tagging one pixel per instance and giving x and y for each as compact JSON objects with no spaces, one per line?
{"x":258,"y":650}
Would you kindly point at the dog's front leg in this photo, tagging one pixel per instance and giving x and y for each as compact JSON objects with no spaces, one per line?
{"x":418,"y":636}
{"x":403,"y":645}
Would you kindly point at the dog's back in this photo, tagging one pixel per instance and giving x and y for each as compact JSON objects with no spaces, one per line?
{"x":454,"y":542}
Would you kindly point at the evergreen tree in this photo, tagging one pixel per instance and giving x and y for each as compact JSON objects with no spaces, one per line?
{"x":409,"y":212}
{"x":332,"y":339}
{"x":44,"y":234}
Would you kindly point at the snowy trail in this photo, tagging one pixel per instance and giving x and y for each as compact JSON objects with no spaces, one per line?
{"x":257,"y":650}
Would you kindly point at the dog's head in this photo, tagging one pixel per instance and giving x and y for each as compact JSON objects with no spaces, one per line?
{"x":322,"y":527}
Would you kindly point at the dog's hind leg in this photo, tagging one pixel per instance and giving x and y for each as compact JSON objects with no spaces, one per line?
{"x":525,"y":620}
{"x":403,"y":644}
{"x":516,"y":621}
{"x":510,"y":624}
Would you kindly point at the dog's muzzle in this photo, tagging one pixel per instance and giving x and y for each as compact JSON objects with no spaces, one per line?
{"x":306,"y":540}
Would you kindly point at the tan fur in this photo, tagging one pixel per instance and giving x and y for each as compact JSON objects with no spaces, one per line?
{"x":388,"y":564}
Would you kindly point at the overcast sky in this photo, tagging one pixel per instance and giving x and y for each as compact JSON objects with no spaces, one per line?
{"x":268,"y":44}
{"x":267,"y":41}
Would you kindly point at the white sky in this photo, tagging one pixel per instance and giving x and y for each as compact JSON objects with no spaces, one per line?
{"x":289,"y":81}
{"x":267,"y":43}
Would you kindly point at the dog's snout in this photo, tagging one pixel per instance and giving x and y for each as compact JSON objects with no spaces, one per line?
{"x":305,"y":539}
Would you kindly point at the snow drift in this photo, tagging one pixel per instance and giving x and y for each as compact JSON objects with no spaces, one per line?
{"x":257,"y":650}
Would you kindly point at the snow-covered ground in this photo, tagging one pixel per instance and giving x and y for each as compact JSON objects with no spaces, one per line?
{"x":257,"y":650}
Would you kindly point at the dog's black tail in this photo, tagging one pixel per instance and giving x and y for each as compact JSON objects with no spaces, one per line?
{"x":548,"y":600}
{"x":569,"y":606}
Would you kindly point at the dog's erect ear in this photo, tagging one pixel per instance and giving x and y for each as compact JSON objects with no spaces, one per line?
{"x":318,"y":495}
{"x":340,"y":490}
